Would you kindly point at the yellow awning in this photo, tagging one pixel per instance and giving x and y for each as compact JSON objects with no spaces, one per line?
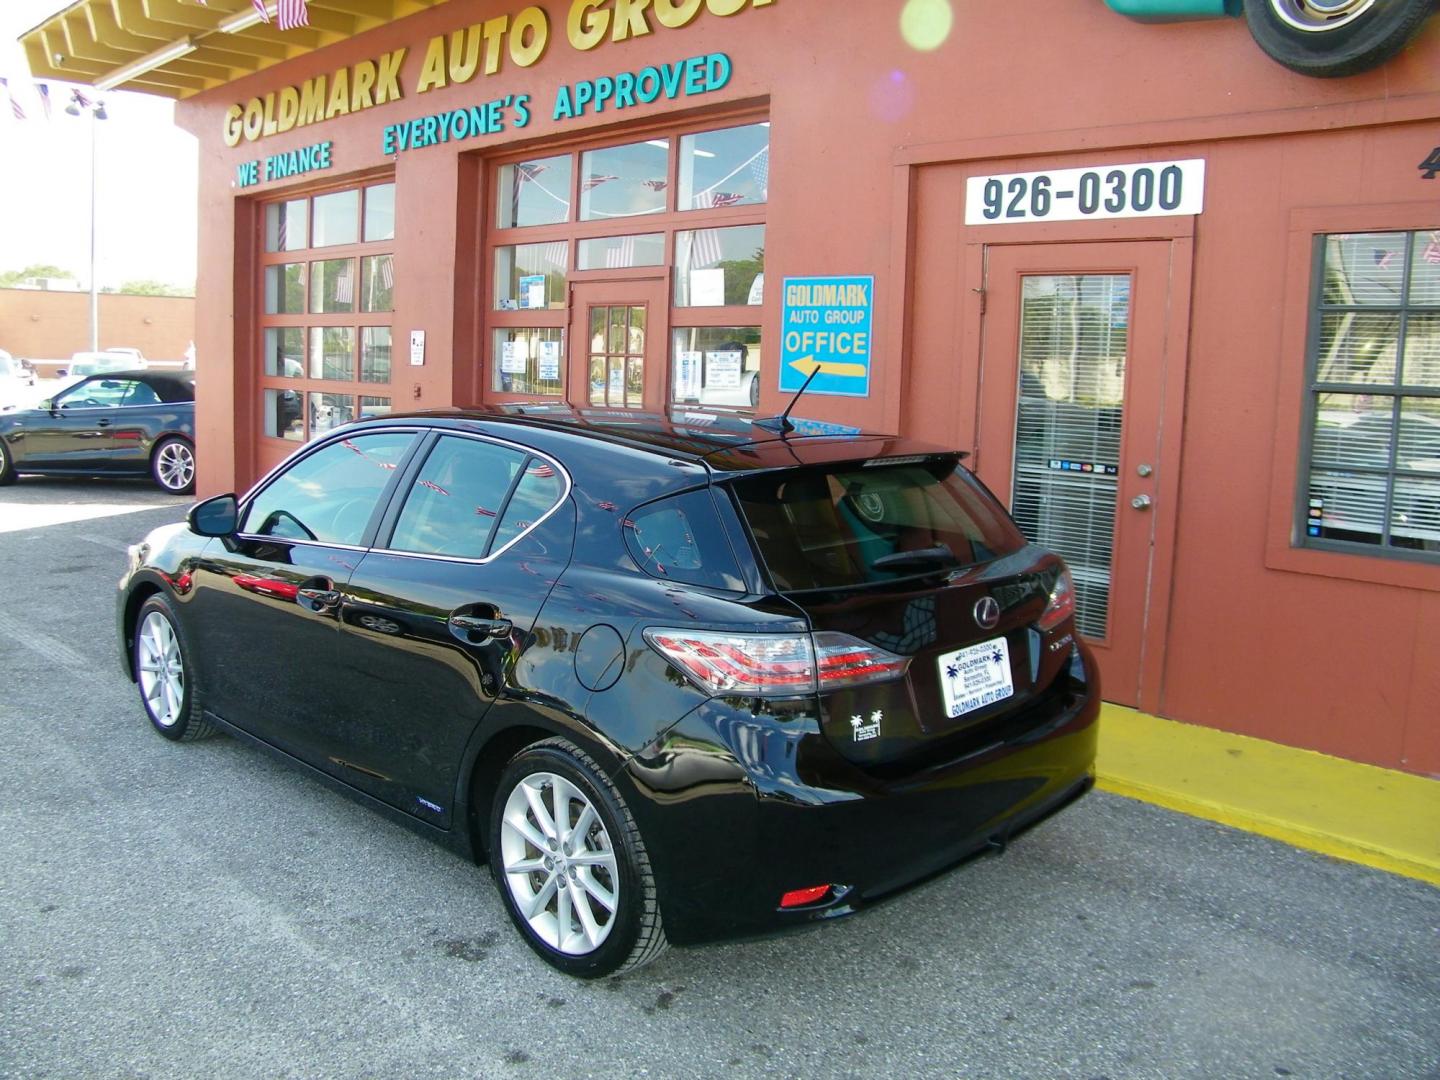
{"x":176,"y":48}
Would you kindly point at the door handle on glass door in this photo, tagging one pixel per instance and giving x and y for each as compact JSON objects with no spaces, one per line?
{"x":1141,"y":502}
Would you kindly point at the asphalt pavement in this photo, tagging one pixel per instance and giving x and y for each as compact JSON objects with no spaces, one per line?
{"x":201,"y":910}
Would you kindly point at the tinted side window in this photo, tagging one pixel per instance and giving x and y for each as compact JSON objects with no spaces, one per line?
{"x":682,"y":539}
{"x":141,"y":394}
{"x":456,"y":498}
{"x":328,"y":496}
{"x":539,"y":489}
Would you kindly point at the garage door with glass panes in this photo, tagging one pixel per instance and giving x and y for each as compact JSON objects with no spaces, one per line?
{"x":327,"y":294}
{"x":629,"y":274}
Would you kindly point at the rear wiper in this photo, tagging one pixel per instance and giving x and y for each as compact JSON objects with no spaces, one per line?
{"x":939,"y":555}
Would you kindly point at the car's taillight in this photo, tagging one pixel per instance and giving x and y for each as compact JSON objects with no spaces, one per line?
{"x":1062,"y":602}
{"x":773,"y":665}
{"x":846,"y":661}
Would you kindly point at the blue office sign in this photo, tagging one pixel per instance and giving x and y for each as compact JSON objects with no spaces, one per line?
{"x":826,"y":329}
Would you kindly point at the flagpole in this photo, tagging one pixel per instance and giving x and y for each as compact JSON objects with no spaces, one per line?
{"x":94,"y":288}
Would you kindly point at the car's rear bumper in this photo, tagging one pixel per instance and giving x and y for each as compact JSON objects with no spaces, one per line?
{"x":741,"y":809}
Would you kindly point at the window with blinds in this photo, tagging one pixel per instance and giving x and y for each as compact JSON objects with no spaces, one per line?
{"x":1372,"y":456}
{"x":1074,"y":340}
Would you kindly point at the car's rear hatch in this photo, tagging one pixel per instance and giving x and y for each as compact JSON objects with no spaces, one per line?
{"x":911,"y":555}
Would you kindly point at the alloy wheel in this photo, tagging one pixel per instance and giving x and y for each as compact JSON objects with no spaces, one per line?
{"x":175,"y":466}
{"x":1318,"y":16}
{"x":161,"y":669}
{"x":560,"y":865}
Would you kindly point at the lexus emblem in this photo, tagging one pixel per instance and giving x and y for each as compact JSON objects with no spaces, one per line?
{"x":987,"y":612}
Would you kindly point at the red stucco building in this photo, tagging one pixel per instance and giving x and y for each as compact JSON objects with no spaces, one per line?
{"x":1181,"y":304}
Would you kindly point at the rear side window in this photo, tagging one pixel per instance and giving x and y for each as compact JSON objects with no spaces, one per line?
{"x":456,"y":499}
{"x":328,"y":496}
{"x":682,"y":539}
{"x":539,"y":490}
{"x":826,"y":528}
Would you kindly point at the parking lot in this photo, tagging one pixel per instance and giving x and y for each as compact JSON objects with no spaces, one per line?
{"x":200,"y":910}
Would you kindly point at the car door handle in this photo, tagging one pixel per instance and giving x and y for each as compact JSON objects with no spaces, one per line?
{"x":473,"y":630}
{"x":102,"y":423}
{"x":322,"y":601}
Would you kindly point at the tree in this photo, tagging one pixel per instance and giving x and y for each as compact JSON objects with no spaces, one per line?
{"x":150,"y":287}
{"x":10,"y":278}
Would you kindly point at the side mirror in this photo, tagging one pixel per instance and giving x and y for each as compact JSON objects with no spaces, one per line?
{"x":219,"y":516}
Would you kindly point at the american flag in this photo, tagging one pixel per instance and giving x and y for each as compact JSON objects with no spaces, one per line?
{"x":556,"y":254}
{"x":387,"y":271}
{"x":704,"y":248}
{"x":291,"y":14}
{"x":655,"y":185}
{"x":622,"y":254}
{"x":44,"y":98}
{"x":760,"y":170}
{"x":1383,"y":258}
{"x":594,"y":180}
{"x":80,"y":99}
{"x":1431,"y":253}
{"x":713,"y":200}
{"x":525,"y":171}
{"x":260,"y":7}
{"x":541,"y":470}
{"x":344,"y":287}
{"x":432,"y":486}
{"x":14,"y":105}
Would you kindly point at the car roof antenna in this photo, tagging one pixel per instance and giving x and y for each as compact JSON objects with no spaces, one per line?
{"x":781,"y":423}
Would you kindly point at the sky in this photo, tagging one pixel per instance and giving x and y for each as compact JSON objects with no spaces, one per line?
{"x":146,"y":194}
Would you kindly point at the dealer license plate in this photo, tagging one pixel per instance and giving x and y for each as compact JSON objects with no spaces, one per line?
{"x":976,"y":676}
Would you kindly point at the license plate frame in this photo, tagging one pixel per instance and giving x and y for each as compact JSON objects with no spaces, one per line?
{"x":975,"y":676}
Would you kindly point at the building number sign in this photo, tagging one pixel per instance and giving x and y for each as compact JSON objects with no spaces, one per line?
{"x":1431,"y":165}
{"x":1149,"y":189}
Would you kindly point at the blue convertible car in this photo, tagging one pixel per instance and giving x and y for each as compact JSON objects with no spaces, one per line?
{"x":121,"y":423}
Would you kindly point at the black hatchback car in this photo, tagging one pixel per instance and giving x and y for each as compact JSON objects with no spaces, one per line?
{"x":676,"y":683}
{"x":121,"y":423}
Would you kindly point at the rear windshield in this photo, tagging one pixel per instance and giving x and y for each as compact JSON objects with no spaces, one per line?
{"x":827,"y":527}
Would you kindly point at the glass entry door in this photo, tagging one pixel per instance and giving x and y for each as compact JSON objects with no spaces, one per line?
{"x":1070,"y":426}
{"x":618,"y":359}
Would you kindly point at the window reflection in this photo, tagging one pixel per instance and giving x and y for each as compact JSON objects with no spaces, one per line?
{"x":332,"y":286}
{"x":620,"y":252}
{"x":1374,"y":449}
{"x":716,"y":366}
{"x":380,"y":212}
{"x":528,"y":360}
{"x":534,"y":192}
{"x":529,"y":276}
{"x":729,"y":167}
{"x":624,"y":181}
{"x":285,"y":225}
{"x":285,"y":289}
{"x":337,"y":218}
{"x":720,"y":267}
{"x":332,"y":352}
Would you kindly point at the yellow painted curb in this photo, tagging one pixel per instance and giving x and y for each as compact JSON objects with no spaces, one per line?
{"x":1378,"y":817}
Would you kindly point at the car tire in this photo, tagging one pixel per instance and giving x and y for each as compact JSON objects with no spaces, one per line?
{"x":7,"y":465}
{"x":1345,"y":37}
{"x":172,"y":466}
{"x":530,"y":860}
{"x":164,"y":674}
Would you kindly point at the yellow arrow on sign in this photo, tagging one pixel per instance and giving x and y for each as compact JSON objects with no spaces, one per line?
{"x":806,"y":364}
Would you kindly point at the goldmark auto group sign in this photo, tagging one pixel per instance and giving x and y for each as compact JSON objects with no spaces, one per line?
{"x":477,"y":51}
